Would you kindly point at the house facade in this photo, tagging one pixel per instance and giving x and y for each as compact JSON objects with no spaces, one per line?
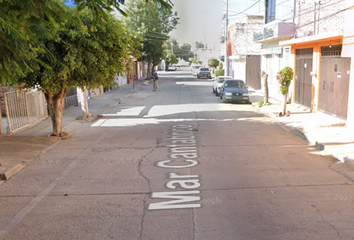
{"x":278,"y":26}
{"x":321,"y":56}
{"x":244,"y":53}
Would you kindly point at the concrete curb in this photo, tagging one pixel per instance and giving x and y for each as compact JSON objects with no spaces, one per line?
{"x":10,"y":171}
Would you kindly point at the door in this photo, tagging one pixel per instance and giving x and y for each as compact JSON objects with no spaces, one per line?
{"x":253,"y":66}
{"x":334,"y":82}
{"x":303,"y":78}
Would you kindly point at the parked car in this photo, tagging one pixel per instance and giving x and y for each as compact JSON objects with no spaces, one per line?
{"x":195,"y":68}
{"x":172,"y":68}
{"x":204,"y":72}
{"x":234,"y":90}
{"x":217,"y":83}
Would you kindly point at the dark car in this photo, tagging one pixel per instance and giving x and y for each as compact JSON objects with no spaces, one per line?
{"x":204,"y":72}
{"x":234,"y":90}
{"x":217,"y":84}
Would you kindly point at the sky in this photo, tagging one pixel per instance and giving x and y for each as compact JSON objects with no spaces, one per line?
{"x":202,"y":20}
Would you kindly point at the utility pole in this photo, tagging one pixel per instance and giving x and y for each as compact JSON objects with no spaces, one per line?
{"x":226,"y":38}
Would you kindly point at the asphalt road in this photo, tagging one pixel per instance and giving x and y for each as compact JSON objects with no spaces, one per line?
{"x":177,"y":164}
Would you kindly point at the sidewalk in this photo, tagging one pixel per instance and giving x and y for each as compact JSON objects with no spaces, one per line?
{"x":22,"y":148}
{"x":327,"y":133}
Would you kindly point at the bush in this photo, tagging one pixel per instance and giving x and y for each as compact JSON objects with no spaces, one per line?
{"x":219,"y":72}
{"x":213,"y":62}
{"x":284,"y":77}
{"x":221,"y":65}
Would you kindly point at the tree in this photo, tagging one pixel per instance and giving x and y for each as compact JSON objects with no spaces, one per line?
{"x":265,"y":83}
{"x":101,"y":6}
{"x":22,"y":21}
{"x":220,"y":70}
{"x":284,"y":77}
{"x":221,"y":65}
{"x":199,"y":45}
{"x":185,"y":52}
{"x":152,"y":23}
{"x":88,"y":54}
{"x":171,"y":58}
{"x":213,"y":62}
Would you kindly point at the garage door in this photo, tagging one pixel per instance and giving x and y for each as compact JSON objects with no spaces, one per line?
{"x":334,"y":82}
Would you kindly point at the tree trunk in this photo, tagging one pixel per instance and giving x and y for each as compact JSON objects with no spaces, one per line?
{"x":149,"y":74}
{"x":153,"y":69}
{"x":285,"y":101}
{"x":266,"y":91}
{"x":55,"y":106}
{"x":86,"y":113}
{"x":1,"y":125}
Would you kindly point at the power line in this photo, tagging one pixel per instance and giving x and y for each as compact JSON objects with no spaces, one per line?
{"x":245,"y":9}
{"x":325,"y":17}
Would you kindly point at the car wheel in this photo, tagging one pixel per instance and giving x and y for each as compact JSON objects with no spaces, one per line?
{"x":223,"y":100}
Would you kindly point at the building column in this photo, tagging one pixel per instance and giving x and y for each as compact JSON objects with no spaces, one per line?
{"x":263,"y":68}
{"x":348,"y":51}
{"x":292,"y":63}
{"x":350,"y":113}
{"x":315,"y":77}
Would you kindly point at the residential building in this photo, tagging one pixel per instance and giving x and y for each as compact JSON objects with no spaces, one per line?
{"x":244,"y":53}
{"x":321,"y":61}
{"x":278,"y":26}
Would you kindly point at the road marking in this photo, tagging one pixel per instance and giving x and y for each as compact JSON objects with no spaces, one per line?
{"x":183,"y":148}
{"x":133,"y":111}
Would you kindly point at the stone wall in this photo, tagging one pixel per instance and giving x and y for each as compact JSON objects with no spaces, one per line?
{"x":313,"y":18}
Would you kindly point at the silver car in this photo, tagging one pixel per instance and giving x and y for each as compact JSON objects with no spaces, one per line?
{"x":218,"y":83}
{"x":195,"y":69}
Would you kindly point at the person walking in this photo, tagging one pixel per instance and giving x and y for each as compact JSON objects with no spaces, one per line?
{"x":155,"y":79}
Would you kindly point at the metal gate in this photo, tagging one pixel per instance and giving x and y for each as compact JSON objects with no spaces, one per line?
{"x":253,"y":66}
{"x":24,"y":109}
{"x":303,"y":78}
{"x":334,"y":82}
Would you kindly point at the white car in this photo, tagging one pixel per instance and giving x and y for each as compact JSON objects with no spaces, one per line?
{"x":172,"y":68}
{"x":195,"y":69}
{"x":218,"y":83}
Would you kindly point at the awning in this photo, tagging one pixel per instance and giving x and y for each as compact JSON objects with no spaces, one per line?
{"x":313,"y":38}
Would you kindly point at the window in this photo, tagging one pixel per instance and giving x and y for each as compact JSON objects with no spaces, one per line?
{"x":270,"y":10}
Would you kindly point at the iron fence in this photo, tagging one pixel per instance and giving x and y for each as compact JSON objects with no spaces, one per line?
{"x":24,"y":109}
{"x":71,"y":101}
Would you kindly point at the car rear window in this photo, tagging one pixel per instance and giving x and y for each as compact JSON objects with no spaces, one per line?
{"x":204,"y":69}
{"x":237,"y":84}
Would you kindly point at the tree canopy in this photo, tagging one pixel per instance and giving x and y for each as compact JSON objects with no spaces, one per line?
{"x":213,"y":62}
{"x":152,"y":23}
{"x":23,"y":21}
{"x":50,"y":46}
